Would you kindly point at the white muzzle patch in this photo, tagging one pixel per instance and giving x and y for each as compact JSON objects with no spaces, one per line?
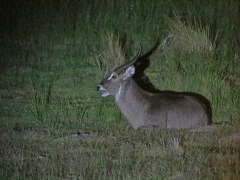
{"x":105,"y":94}
{"x":103,"y":91}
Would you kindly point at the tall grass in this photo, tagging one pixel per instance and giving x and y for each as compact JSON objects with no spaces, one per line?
{"x":190,"y":36}
{"x":111,"y":53}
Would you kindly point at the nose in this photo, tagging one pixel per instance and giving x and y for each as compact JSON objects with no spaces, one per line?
{"x":98,"y":87}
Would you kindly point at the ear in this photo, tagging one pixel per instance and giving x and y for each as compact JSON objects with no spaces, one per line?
{"x":129,"y":72}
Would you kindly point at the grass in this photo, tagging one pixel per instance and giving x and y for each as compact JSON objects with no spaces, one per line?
{"x":190,"y":36}
{"x":117,"y":154}
{"x":53,"y":123}
{"x":111,"y":54}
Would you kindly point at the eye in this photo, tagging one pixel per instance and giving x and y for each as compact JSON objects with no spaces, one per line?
{"x":113,"y":76}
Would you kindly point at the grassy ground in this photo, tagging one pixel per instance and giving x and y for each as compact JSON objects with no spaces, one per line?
{"x":53,"y":123}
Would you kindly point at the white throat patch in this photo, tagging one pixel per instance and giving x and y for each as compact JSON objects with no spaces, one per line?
{"x":118,"y":94}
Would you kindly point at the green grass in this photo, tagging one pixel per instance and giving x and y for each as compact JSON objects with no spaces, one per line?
{"x":55,"y":125}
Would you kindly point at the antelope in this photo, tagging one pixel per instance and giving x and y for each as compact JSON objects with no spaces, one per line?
{"x":158,"y":109}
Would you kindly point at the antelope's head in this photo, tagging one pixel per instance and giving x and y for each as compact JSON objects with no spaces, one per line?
{"x":112,"y":84}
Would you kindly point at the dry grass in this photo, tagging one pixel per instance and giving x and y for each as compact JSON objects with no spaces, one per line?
{"x":111,"y":53}
{"x":189,"y":36}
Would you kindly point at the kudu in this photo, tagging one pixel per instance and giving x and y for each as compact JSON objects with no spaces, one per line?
{"x":155,"y":108}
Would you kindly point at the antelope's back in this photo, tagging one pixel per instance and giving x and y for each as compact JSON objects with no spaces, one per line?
{"x":180,"y":111}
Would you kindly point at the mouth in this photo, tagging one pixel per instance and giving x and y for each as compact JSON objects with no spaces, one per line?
{"x":103,"y":91}
{"x":104,"y":94}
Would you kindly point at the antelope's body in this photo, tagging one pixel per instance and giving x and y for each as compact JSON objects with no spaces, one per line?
{"x":163,"y":109}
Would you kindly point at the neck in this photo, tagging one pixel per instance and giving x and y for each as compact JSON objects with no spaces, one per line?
{"x":131,"y":99}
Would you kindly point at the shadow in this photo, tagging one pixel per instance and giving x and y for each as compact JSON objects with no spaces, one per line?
{"x":140,"y":77}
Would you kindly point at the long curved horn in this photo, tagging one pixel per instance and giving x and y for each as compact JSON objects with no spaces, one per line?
{"x":124,"y":66}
